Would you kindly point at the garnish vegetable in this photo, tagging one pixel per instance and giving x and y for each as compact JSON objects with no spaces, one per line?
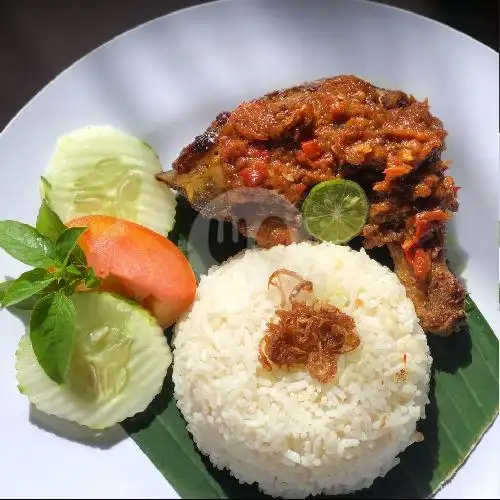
{"x":335,"y":210}
{"x":120,"y":360}
{"x":101,"y":170}
{"x":89,"y":356}
{"x":59,"y":268}
{"x":136,"y":262}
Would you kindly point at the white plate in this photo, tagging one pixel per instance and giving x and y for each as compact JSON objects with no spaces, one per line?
{"x":165,"y":81}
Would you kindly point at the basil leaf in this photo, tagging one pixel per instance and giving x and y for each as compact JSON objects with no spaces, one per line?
{"x":53,"y":334}
{"x":4,"y":285}
{"x":46,"y":187}
{"x":67,"y":242}
{"x":24,"y":305}
{"x":91,"y":280}
{"x":26,"y":244}
{"x":29,"y":303}
{"x":78,"y":257}
{"x":49,"y":223}
{"x":27,"y":285}
{"x":70,"y":285}
{"x":74,"y":271}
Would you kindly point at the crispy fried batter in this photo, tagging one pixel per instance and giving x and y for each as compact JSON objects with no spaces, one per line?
{"x":438,"y":301}
{"x":287,"y":141}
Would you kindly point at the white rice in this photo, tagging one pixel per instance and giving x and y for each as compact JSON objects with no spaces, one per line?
{"x":282,"y":429}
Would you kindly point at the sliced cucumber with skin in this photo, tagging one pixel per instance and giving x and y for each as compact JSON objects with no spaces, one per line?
{"x":101,"y":170}
{"x":120,"y":362}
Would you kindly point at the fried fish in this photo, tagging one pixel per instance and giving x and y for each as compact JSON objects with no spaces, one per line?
{"x":253,"y":163}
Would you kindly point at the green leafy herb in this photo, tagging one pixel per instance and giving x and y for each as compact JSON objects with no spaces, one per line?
{"x":4,"y":285}
{"x":24,"y":305}
{"x":74,"y":271}
{"x":70,"y":285}
{"x":29,"y":303}
{"x":91,"y":280}
{"x":52,"y":334}
{"x":67,"y":242}
{"x":78,"y":257}
{"x":46,"y":187}
{"x":27,"y":285}
{"x":27,"y":244}
{"x":49,"y":223}
{"x":60,"y":267}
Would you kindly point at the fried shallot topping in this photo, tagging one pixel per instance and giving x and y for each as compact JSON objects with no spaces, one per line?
{"x":311,"y":333}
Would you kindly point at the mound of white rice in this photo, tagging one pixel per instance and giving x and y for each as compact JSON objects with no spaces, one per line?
{"x":282,"y":429}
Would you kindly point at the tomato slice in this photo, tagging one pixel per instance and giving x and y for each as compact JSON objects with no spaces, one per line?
{"x":139,"y":263}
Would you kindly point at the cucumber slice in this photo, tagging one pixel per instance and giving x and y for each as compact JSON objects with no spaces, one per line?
{"x":120,"y":362}
{"x":101,"y":170}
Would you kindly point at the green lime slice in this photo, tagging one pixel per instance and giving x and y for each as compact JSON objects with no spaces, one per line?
{"x":335,"y":210}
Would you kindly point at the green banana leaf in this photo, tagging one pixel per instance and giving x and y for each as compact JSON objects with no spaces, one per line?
{"x":463,"y":399}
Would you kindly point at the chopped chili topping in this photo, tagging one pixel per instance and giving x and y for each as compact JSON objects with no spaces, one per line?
{"x":312,"y":333}
{"x":254,"y":174}
{"x":312,"y":149}
{"x":420,"y":259}
{"x":422,"y":263}
{"x":255,"y":152}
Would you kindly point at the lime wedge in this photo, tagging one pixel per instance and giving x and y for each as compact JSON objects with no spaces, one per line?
{"x":119,"y":365}
{"x":335,"y":210}
{"x":101,"y":170}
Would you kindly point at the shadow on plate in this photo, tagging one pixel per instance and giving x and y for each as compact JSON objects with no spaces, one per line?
{"x":22,"y":315}
{"x":108,"y":437}
{"x":104,"y":439}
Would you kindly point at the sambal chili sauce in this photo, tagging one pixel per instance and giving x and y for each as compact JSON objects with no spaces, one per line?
{"x":343,"y":127}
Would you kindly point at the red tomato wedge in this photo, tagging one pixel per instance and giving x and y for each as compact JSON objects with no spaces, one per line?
{"x":134,"y":261}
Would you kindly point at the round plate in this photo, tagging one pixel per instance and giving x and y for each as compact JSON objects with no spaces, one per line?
{"x":165,"y":81}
